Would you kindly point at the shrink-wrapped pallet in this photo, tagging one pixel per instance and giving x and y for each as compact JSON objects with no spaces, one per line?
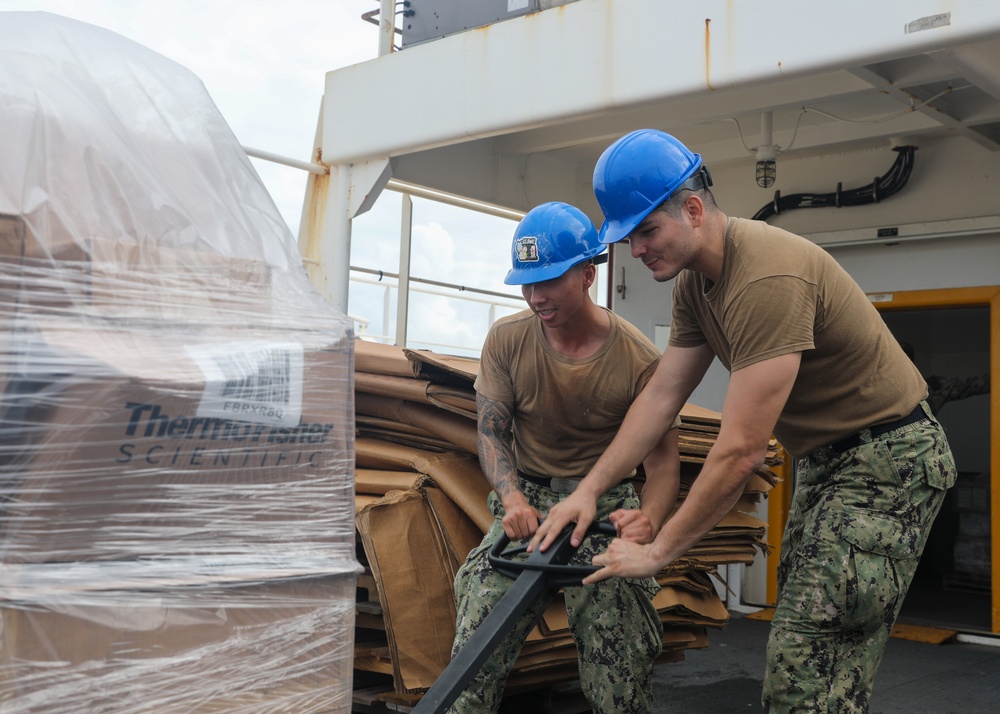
{"x":177,"y":415}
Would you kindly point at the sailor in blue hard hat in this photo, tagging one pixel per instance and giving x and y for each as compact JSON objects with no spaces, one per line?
{"x":812,"y":363}
{"x":552,"y":387}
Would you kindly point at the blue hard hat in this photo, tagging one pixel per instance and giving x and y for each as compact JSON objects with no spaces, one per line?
{"x":549,"y":240}
{"x":637,"y":173}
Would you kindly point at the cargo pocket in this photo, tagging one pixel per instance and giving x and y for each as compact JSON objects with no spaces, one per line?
{"x":880,"y":547}
{"x":940,"y":471}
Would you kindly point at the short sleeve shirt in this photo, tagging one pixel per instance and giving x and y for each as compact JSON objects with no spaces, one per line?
{"x":566,"y":411}
{"x":780,"y":293}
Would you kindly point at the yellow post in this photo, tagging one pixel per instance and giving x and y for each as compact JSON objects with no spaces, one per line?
{"x":779,"y":501}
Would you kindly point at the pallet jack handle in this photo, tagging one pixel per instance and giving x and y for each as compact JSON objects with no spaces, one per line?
{"x":539,"y":572}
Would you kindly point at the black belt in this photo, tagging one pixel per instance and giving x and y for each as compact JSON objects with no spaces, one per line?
{"x":559,"y":485}
{"x":855,"y":439}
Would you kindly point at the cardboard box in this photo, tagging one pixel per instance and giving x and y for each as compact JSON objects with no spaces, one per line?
{"x":159,"y":440}
{"x":20,"y":247}
{"x":239,"y":646}
{"x":98,"y":276}
{"x":48,"y":274}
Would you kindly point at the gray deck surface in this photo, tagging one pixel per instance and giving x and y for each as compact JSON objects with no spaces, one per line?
{"x":915,"y":677}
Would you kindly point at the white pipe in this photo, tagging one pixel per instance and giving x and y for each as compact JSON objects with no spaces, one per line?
{"x":386,"y":26}
{"x":452,"y":200}
{"x":294,"y":163}
{"x":395,"y":185}
{"x":464,"y":295}
{"x":338,"y":286}
{"x":387,"y":311}
{"x":403,"y":298}
{"x":766,"y":123}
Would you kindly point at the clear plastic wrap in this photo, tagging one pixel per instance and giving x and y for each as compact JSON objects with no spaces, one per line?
{"x":177,"y":419}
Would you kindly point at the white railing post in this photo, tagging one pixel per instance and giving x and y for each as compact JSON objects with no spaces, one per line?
{"x":403,"y":298}
{"x":386,"y":26}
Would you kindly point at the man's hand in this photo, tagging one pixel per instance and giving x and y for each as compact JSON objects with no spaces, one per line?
{"x":632,"y":525}
{"x":579,"y":507}
{"x":624,"y":559}
{"x":520,"y":519}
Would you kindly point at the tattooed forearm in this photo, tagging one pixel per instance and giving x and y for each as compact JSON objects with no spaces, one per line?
{"x":496,"y":452}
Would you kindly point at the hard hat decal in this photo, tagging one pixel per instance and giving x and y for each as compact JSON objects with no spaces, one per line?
{"x":526,"y":249}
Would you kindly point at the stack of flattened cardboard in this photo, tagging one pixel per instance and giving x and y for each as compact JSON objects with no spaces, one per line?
{"x":421,"y":507}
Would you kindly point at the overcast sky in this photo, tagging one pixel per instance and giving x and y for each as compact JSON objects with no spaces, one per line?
{"x":264,"y":64}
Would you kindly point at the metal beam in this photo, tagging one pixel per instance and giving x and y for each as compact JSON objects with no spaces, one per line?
{"x":921,"y":106}
{"x":599,"y":56}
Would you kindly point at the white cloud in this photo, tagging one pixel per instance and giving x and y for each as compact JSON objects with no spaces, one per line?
{"x":433,"y":253}
{"x":263,"y":63}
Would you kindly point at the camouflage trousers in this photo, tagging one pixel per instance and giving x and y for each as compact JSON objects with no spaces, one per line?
{"x":614,"y":624}
{"x":858,"y":524}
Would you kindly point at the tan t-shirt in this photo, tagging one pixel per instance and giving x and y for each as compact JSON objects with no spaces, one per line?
{"x":779,"y":293}
{"x":566,"y":411}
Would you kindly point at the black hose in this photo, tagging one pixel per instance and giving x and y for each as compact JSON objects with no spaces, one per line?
{"x":880,"y":189}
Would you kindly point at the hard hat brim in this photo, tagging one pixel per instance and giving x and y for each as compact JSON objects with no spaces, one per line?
{"x":527,"y":276}
{"x":612,"y":231}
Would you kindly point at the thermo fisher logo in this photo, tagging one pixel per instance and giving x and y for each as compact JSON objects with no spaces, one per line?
{"x":258,"y":382}
{"x":157,"y":438}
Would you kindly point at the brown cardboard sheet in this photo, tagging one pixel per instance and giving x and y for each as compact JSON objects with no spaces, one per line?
{"x":670,"y":656}
{"x":406,"y":437}
{"x":446,"y":425}
{"x":692,"y":413}
{"x":678,"y":635}
{"x":696,"y":608}
{"x":377,"y":482}
{"x":457,"y":475}
{"x":384,"y":428}
{"x":729,"y":557}
{"x":460,"y":401}
{"x":461,"y":534}
{"x":362,"y":500}
{"x":555,"y":620}
{"x":415,"y":390}
{"x":411,"y":566}
{"x":698,"y":581}
{"x":443,"y":369}
{"x":720,"y":545}
{"x":442,"y":380}
{"x":452,"y":399}
{"x":378,"y":358}
{"x":737,"y":522}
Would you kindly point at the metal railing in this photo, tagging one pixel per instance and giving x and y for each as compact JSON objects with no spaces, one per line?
{"x":494,"y":301}
{"x":454,"y":291}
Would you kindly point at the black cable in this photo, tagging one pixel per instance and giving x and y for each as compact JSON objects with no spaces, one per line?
{"x":878,"y":190}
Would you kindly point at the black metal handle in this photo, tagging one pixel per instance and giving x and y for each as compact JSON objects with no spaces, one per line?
{"x":532,"y":577}
{"x":561,"y":574}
